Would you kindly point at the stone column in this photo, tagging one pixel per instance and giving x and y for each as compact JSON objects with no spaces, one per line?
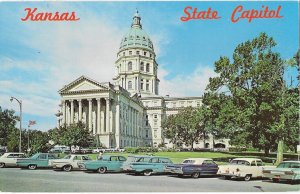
{"x":117,"y":124}
{"x":72,"y":112}
{"x":79,"y":110}
{"x":63,"y":112}
{"x":90,"y":114}
{"x":107,"y":127}
{"x":98,"y":115}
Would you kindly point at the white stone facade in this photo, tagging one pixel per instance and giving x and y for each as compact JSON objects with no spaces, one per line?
{"x":129,"y":112}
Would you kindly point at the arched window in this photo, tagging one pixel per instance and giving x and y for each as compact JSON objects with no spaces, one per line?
{"x":142,"y":66}
{"x":130,"y":85}
{"x":147,"y":67}
{"x":129,"y":66}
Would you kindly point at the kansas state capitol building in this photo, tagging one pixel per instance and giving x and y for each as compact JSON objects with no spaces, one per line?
{"x":129,"y":112}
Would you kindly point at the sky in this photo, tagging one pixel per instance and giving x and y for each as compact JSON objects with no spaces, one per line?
{"x":38,"y":58}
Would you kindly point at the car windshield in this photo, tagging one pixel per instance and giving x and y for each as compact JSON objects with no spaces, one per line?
{"x":188,"y":162}
{"x":240,"y":162}
{"x":289,"y":165}
{"x":67,"y":157}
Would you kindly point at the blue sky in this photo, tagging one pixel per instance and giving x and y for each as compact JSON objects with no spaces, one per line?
{"x":39,"y":58}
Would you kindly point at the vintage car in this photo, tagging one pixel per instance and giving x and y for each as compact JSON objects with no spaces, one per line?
{"x":286,"y":171}
{"x":38,"y":160}
{"x":69,"y":162}
{"x":194,"y":167}
{"x":147,"y":165}
{"x":107,"y":163}
{"x":10,"y":159}
{"x":246,"y":168}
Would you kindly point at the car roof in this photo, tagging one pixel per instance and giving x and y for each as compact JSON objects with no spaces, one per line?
{"x":12,"y":153}
{"x":198,"y":160}
{"x":247,"y":159}
{"x":294,"y":161}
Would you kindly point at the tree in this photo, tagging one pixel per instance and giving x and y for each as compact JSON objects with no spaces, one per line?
{"x":7,"y":125}
{"x":38,"y":141}
{"x":254,"y":104}
{"x":185,"y":127}
{"x":73,"y":135}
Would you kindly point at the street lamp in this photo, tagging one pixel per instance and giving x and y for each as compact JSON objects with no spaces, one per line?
{"x":20,"y":103}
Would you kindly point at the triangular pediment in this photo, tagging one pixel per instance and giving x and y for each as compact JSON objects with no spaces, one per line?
{"x":83,"y":84}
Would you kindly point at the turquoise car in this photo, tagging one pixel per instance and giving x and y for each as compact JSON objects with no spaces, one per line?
{"x":148,"y":165}
{"x":108,"y":163}
{"x":38,"y":160}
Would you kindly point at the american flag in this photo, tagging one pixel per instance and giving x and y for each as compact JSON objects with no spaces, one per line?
{"x":31,"y":123}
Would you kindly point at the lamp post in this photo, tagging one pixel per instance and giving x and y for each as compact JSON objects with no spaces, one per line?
{"x":20,"y":103}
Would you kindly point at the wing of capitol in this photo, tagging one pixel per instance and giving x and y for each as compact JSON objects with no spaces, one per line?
{"x":128,"y":112}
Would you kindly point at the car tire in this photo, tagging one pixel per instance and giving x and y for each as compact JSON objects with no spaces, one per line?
{"x":32,"y":166}
{"x":102,"y":170}
{"x":196,"y":175}
{"x":180,"y":175}
{"x":67,"y":168}
{"x":275,"y":180}
{"x":247,"y":177}
{"x":147,"y":172}
{"x":227,"y":177}
{"x":2,"y":165}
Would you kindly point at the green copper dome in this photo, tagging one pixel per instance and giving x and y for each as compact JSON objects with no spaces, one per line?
{"x":136,"y":36}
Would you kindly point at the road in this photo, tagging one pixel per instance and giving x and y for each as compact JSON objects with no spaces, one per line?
{"x":17,"y":180}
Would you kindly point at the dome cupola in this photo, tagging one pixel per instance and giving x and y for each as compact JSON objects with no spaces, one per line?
{"x":136,"y":37}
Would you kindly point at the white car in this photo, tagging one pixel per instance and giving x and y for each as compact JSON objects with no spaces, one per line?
{"x":10,"y":159}
{"x":245,"y":168}
{"x":69,"y":162}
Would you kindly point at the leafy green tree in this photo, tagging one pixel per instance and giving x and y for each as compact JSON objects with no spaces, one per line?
{"x":38,"y":141}
{"x":255,"y":99}
{"x":74,"y":135}
{"x":185,"y":127}
{"x":7,"y":125}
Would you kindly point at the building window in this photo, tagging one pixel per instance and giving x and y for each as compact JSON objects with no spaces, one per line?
{"x":155,"y":116}
{"x":130,"y":85}
{"x":147,"y":133}
{"x":147,"y":67}
{"x":147,"y":123}
{"x":155,"y":123}
{"x":150,"y":55}
{"x":130,"y":52}
{"x":142,"y":66}
{"x":155,"y":133}
{"x":138,"y":52}
{"x":129,"y":66}
{"x":198,"y":104}
{"x":147,"y":85}
{"x":174,"y":104}
{"x":145,"y":53}
{"x":142,"y":84}
{"x":123,"y":53}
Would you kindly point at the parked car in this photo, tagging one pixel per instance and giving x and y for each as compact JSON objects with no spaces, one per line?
{"x":148,"y":165}
{"x":107,"y":163}
{"x":97,"y":150}
{"x":38,"y":160}
{"x":10,"y":159}
{"x":286,"y":171}
{"x":69,"y":162}
{"x":246,"y":168}
{"x":194,"y":167}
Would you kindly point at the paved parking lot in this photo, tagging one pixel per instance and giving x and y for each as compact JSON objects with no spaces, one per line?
{"x":17,"y":180}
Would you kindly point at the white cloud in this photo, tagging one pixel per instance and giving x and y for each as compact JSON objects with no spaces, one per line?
{"x":193,"y":84}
